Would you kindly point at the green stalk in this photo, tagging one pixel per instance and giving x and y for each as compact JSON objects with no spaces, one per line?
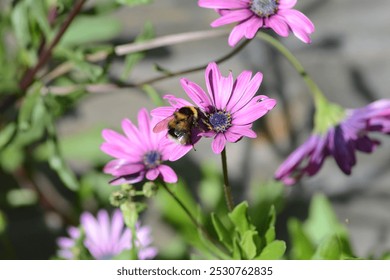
{"x":226,"y":186}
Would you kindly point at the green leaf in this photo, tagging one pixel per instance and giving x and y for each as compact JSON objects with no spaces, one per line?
{"x":153,"y":95}
{"x":133,"y":2}
{"x":19,"y":18}
{"x":11,"y":158}
{"x":87,"y":29}
{"x":3,"y":222}
{"x":248,"y":244}
{"x":22,"y":197}
{"x":27,"y":108}
{"x":273,"y":251}
{"x":329,"y":249}
{"x":39,"y":11}
{"x":6,"y":134}
{"x":240,"y":219}
{"x":322,"y":220}
{"x":302,"y":248}
{"x":132,"y":59}
{"x":270,"y":235}
{"x":223,"y":234}
{"x":237,"y":255}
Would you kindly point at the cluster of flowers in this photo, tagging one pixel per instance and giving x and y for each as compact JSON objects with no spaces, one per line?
{"x":231,"y":106}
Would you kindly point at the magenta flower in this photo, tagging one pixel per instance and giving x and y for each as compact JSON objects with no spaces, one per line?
{"x":140,"y":153}
{"x":340,"y":141}
{"x":251,"y":15}
{"x":105,"y":239}
{"x":230,"y":106}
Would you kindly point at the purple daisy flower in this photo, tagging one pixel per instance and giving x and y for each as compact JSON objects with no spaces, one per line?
{"x":340,"y":141}
{"x":140,"y":153}
{"x":251,"y":15}
{"x":230,"y":106}
{"x":105,"y":239}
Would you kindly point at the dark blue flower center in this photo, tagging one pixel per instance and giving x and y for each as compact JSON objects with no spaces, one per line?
{"x":264,"y":8}
{"x":220,"y":121}
{"x":152,"y":159}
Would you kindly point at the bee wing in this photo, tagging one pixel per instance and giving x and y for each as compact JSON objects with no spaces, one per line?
{"x":162,"y":125}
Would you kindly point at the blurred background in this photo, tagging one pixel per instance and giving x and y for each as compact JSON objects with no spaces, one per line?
{"x":349,"y":59}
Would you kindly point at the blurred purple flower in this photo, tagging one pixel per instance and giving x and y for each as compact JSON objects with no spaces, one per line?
{"x":251,"y":15}
{"x":140,"y":153}
{"x":340,"y":141}
{"x":105,"y":239}
{"x":231,"y":106}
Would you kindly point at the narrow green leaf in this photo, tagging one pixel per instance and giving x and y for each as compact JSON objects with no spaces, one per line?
{"x":6,"y":134}
{"x":86,"y":29}
{"x":329,"y":249}
{"x":3,"y":222}
{"x":27,"y":108}
{"x":132,"y":59}
{"x":270,"y":235}
{"x":223,"y":234}
{"x":302,"y":248}
{"x":19,"y":18}
{"x":133,"y":2}
{"x":237,"y":255}
{"x":273,"y":251}
{"x":240,"y":219}
{"x":39,"y":11}
{"x":322,"y":220}
{"x":153,"y":95}
{"x":248,"y":244}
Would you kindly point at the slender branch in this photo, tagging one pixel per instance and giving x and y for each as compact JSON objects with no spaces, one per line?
{"x":29,"y":76}
{"x":315,"y":90}
{"x":169,"y":40}
{"x":187,"y":211}
{"x":194,"y":69}
{"x":226,"y":186}
{"x":96,"y":88}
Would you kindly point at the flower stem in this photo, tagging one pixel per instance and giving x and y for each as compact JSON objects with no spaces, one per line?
{"x":315,"y":90}
{"x":226,"y":186}
{"x":186,"y":210}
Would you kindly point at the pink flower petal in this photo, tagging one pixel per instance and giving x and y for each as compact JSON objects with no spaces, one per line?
{"x":237,"y":33}
{"x":253,"y":25}
{"x":232,"y":16}
{"x":152,"y":174}
{"x":225,"y":91}
{"x":223,"y":4}
{"x":167,"y":173}
{"x":212,"y":78}
{"x":278,"y":24}
{"x":296,"y":19}
{"x":196,"y":93}
{"x":218,"y":143}
{"x":286,"y":4}
{"x":248,"y":91}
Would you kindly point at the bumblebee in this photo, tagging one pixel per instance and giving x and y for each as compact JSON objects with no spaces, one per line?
{"x":181,"y":123}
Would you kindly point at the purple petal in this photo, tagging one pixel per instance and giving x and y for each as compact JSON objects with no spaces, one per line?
{"x":365,"y":144}
{"x":342,"y":150}
{"x":152,"y":174}
{"x":252,"y":26}
{"x":167,"y":173}
{"x":278,"y":24}
{"x":223,"y":4}
{"x":253,"y":111}
{"x":218,"y":143}
{"x":286,"y":4}
{"x":212,"y":78}
{"x":296,"y":19}
{"x":232,"y":16}
{"x":237,"y":33}
{"x":196,"y":93}
{"x":290,"y":165}
{"x":147,"y":253}
{"x":244,"y":92}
